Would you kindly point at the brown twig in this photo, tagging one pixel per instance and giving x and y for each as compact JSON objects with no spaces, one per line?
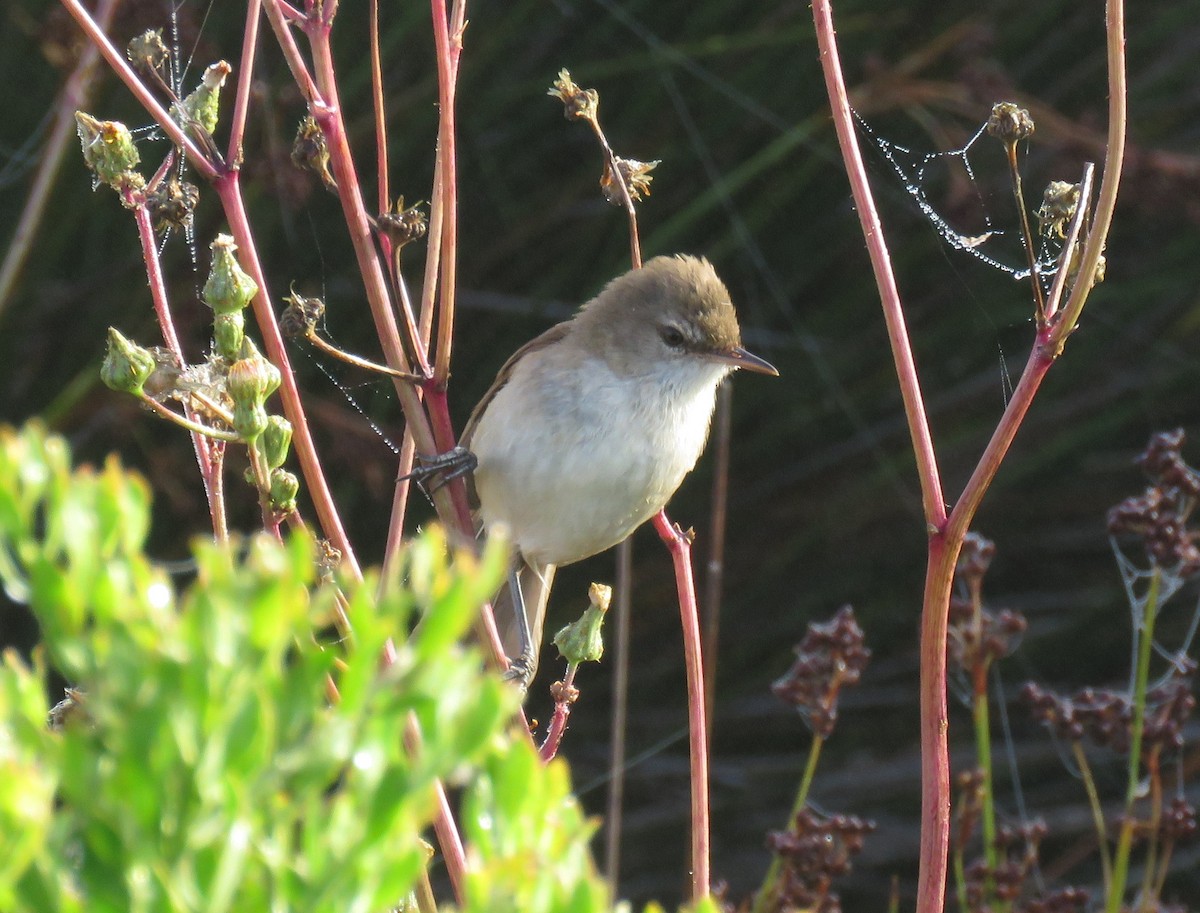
{"x":715,"y":577}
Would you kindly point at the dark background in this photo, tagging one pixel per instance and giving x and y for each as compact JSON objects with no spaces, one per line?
{"x":824,"y":506}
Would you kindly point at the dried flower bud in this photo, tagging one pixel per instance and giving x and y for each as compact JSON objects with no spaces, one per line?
{"x":1058,"y":208}
{"x":202,"y":107}
{"x":301,"y":315}
{"x":228,"y":288}
{"x":276,"y":441}
{"x":284,"y":488}
{"x":636,"y":176}
{"x":108,"y":149}
{"x":578,"y":104}
{"x":147,"y":51}
{"x":1009,"y":122}
{"x":310,"y":152}
{"x":126,"y":365}
{"x":403,"y":226}
{"x":580,"y":641}
{"x":172,"y":203}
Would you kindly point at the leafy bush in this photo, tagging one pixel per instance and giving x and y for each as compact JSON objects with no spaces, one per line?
{"x":223,"y":750}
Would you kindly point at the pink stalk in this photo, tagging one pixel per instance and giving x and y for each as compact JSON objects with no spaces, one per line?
{"x":451,"y":499}
{"x":565,"y":694}
{"x":947,"y":532}
{"x":680,"y":546}
{"x":162,"y":310}
{"x":229,"y":191}
{"x":935,"y":758}
{"x":241,"y":100}
{"x":447,"y":63}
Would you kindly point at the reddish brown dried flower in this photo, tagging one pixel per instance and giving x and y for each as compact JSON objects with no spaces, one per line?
{"x":830,"y":656}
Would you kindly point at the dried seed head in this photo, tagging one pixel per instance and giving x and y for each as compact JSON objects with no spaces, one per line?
{"x":301,"y":315}
{"x":830,"y":655}
{"x":147,"y":51}
{"x":310,"y":152}
{"x":403,"y":225}
{"x":636,"y":176}
{"x":1058,"y":208}
{"x":172,"y":203}
{"x":578,"y":104}
{"x":1009,"y":122}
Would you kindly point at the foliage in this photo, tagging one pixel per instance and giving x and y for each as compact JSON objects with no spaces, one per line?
{"x":220,"y":752}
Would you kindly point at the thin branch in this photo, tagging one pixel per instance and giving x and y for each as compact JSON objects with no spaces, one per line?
{"x":447,"y":78}
{"x":241,"y":103}
{"x":1113,"y":159}
{"x":679,"y":544}
{"x":620,"y":700}
{"x":864,"y":203}
{"x":381,"y":146}
{"x":1068,"y":252}
{"x":278,"y":14}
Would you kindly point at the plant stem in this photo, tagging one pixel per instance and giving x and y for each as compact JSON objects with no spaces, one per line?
{"x":562,"y":713}
{"x":1035,"y":279}
{"x":447,"y":65}
{"x":715,"y":578}
{"x":182,"y":422}
{"x":679,"y":545}
{"x":1141,"y":677}
{"x":1089,"y":785}
{"x":1114,"y":157}
{"x":241,"y":104}
{"x":764,"y":899}
{"x":983,"y":757}
{"x":620,"y":701}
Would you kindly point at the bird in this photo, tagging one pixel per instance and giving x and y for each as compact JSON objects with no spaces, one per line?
{"x":589,"y":429}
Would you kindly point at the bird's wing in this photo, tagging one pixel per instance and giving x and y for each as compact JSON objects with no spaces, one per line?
{"x":552,"y":335}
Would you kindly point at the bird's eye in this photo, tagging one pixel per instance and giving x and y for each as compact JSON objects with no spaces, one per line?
{"x":671,"y":336}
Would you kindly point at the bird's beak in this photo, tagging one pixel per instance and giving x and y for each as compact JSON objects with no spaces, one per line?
{"x":737,"y":357}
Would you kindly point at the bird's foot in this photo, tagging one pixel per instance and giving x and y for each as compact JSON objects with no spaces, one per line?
{"x":521,"y":670}
{"x":441,"y":468}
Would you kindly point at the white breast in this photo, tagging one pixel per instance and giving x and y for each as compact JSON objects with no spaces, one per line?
{"x":572,"y":468}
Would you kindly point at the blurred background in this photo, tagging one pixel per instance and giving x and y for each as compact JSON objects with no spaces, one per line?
{"x":824,"y":506}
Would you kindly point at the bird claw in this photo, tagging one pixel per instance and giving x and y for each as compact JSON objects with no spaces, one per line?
{"x":520,"y":671}
{"x":444,"y":467}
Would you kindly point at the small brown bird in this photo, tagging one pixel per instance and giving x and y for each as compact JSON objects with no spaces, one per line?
{"x":589,"y":429}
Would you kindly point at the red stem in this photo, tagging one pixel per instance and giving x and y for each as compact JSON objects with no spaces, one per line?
{"x":679,"y":544}
{"x":872,"y":228}
{"x":229,"y":190}
{"x":241,"y":105}
{"x":558,"y":722}
{"x":162,"y":310}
